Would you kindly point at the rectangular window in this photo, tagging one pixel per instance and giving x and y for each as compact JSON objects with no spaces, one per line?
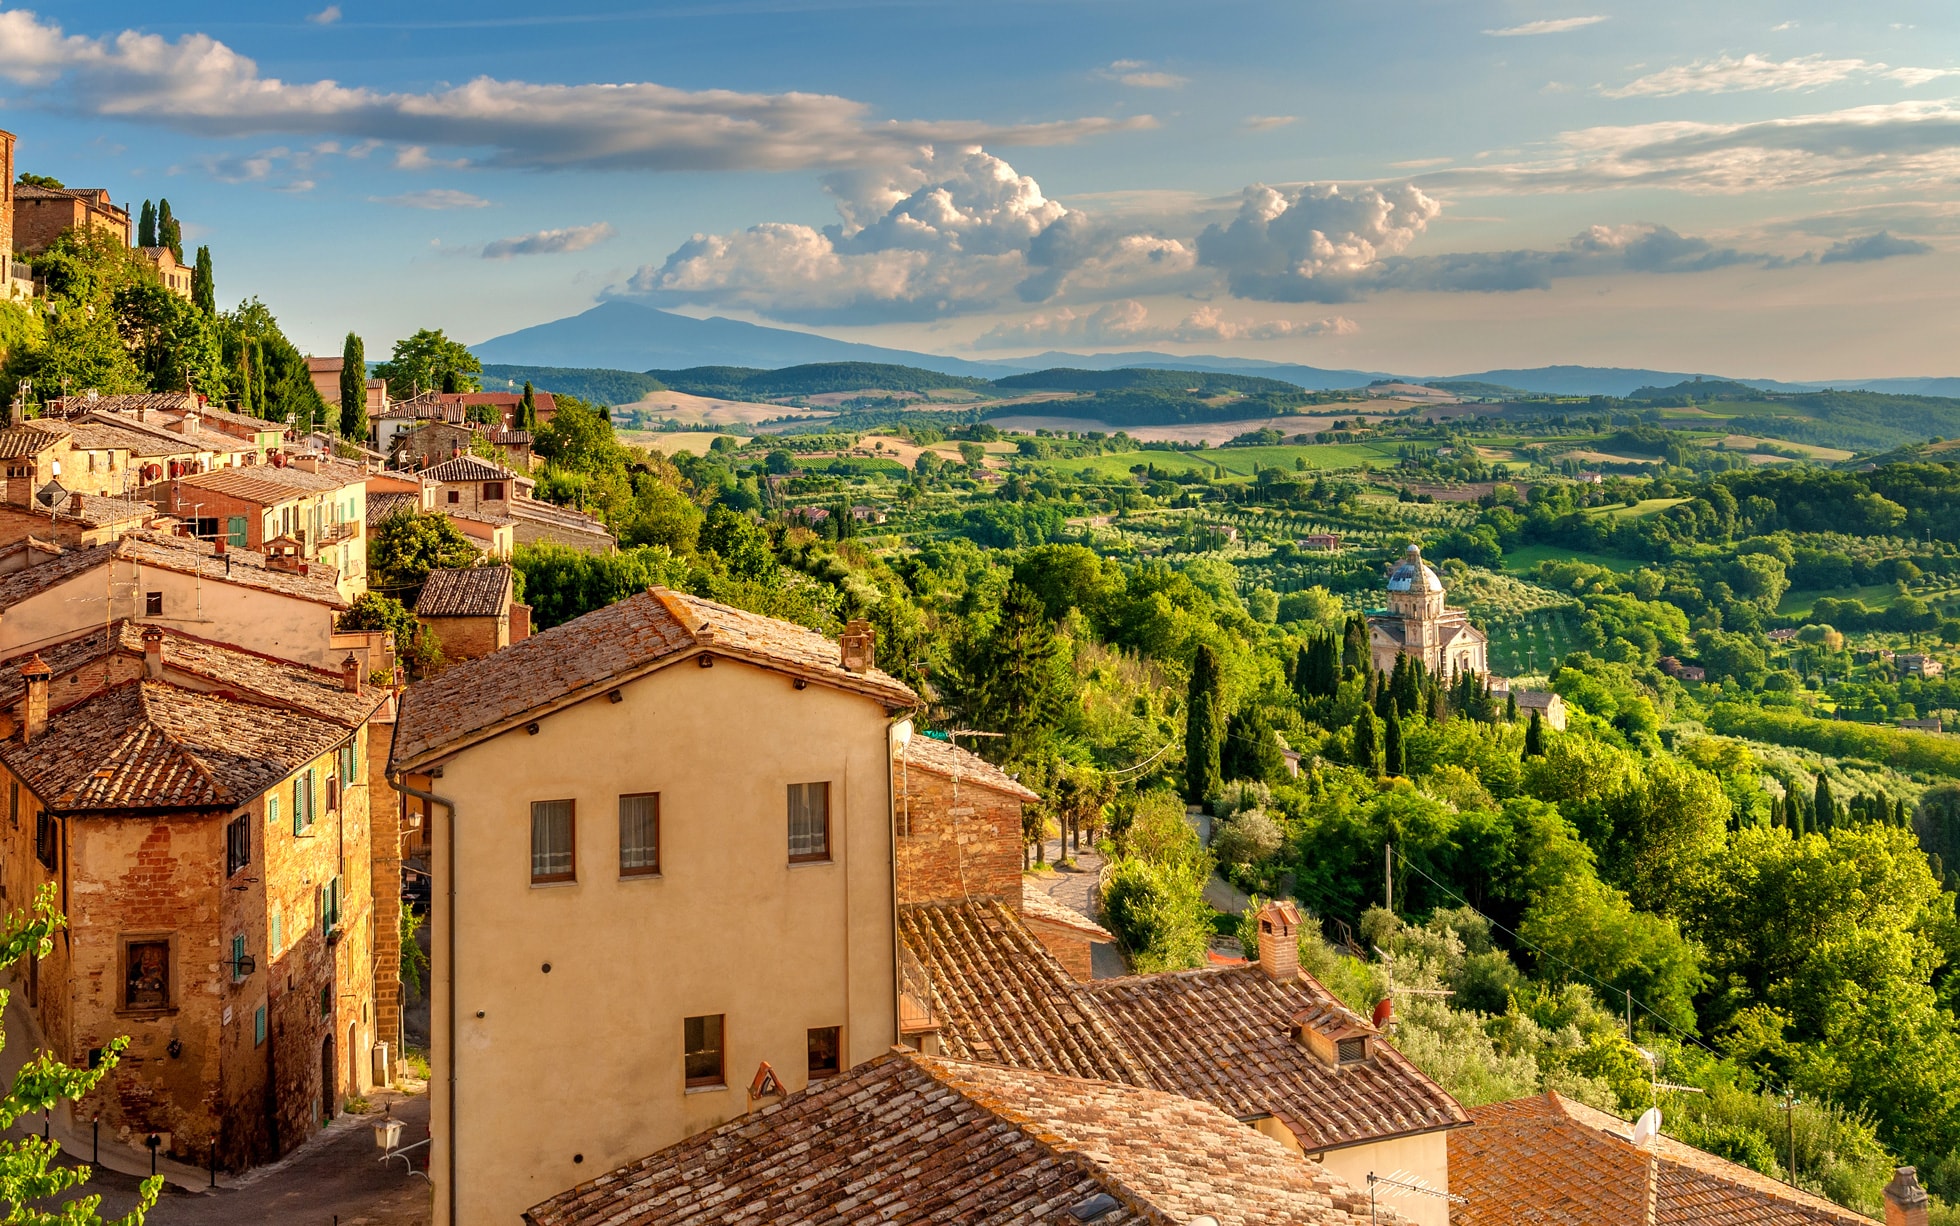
{"x":551,"y":841}
{"x":703,"y":1044}
{"x":47,"y":840}
{"x":238,"y":843}
{"x":349,"y":761}
{"x":330,"y":906}
{"x":493,"y":491}
{"x":238,"y":958}
{"x":258,"y":1027}
{"x":153,"y":604}
{"x":826,"y":1051}
{"x":326,"y":1000}
{"x":455,"y":495}
{"x":333,"y":793}
{"x":272,"y":809}
{"x":639,"y":835}
{"x":305,"y":796}
{"x":235,"y":531}
{"x":277,"y":945}
{"x":146,"y":974}
{"x":809,"y":822}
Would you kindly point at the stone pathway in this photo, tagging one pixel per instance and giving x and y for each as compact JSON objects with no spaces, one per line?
{"x":1076,"y":890}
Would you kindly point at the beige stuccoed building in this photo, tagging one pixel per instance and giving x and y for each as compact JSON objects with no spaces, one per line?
{"x":663,"y":859}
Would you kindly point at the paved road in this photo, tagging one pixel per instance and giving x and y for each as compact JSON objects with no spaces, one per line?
{"x":1077,"y":891}
{"x":334,"y":1178}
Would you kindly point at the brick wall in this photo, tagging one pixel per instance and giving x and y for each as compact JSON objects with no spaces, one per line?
{"x":1071,"y":948}
{"x":385,"y":850}
{"x":956,"y":840}
{"x":469,"y":638}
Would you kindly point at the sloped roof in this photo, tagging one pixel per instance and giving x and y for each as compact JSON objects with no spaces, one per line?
{"x":267,"y":483}
{"x":1037,"y":905}
{"x":564,"y":518}
{"x":1547,"y":1159}
{"x":593,"y":653}
{"x":907,"y":1138}
{"x":152,"y":745}
{"x":186,"y":555}
{"x":470,"y":468}
{"x":391,"y":502}
{"x":478,"y":591}
{"x":927,"y":753}
{"x":999,"y":995}
{"x":244,"y":421}
{"x":1224,"y":1034}
{"x":31,"y":438}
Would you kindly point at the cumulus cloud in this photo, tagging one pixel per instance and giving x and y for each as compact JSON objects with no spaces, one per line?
{"x":1731,"y":74}
{"x":1556,"y":25}
{"x":1128,"y":322}
{"x":1305,"y":246}
{"x":1880,"y":246}
{"x":434,"y":199}
{"x":326,"y":16}
{"x":199,"y":85}
{"x":1264,"y":123}
{"x":1141,"y":74}
{"x":1916,"y":141}
{"x":549,"y":242}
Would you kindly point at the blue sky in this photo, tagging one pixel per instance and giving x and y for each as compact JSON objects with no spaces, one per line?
{"x":1749,"y":188}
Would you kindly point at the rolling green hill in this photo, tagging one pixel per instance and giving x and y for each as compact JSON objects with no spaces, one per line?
{"x":596,"y":385}
{"x":1125,"y":409}
{"x":747,"y":383}
{"x":1179,"y":382}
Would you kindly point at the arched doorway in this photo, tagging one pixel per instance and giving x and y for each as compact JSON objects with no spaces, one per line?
{"x":328,"y":1068}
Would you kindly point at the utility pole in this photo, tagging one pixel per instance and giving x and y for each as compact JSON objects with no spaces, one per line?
{"x":1388,"y":877}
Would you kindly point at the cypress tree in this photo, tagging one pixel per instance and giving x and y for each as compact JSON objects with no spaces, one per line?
{"x":1392,"y":760}
{"x":527,"y":408}
{"x":1302,"y":671}
{"x":146,"y":228}
{"x":1364,"y":744}
{"x":1204,"y":721}
{"x":1823,"y":808}
{"x":1354,"y":645}
{"x":1439,"y":710}
{"x":169,"y":233}
{"x":204,"y":291}
{"x":1510,"y":708}
{"x":353,"y":388}
{"x":1534,"y":737}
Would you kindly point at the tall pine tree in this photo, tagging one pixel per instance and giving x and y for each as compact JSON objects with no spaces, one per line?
{"x":204,"y":291}
{"x":1366,"y":758}
{"x":527,"y":408}
{"x":169,"y":233}
{"x":1534,"y":737}
{"x":1204,"y":726}
{"x":353,"y":389}
{"x":1024,"y":681}
{"x":146,"y":227}
{"x":1824,"y":812}
{"x":1393,"y":762}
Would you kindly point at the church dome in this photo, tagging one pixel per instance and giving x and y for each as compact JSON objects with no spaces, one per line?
{"x":1412,"y":574}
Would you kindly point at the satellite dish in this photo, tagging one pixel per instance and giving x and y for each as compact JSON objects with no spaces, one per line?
{"x":1647,"y":1127}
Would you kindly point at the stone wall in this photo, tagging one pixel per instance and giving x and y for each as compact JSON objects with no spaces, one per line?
{"x":469,"y":638}
{"x":955,"y":840}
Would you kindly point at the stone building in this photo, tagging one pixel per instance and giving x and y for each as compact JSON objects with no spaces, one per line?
{"x":201,"y":816}
{"x":1418,"y":624}
{"x":471,"y":611}
{"x":958,"y":824}
{"x":636,"y":931}
{"x":325,"y":373}
{"x":472,"y":487}
{"x":320,"y":506}
{"x":163,"y":261}
{"x":43,"y":214}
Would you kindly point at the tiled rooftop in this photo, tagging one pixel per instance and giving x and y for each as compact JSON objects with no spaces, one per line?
{"x":186,"y":555}
{"x":266,"y":484}
{"x":1036,"y":904}
{"x":31,"y":438}
{"x":153,"y":745}
{"x":563,"y":518}
{"x":1546,"y":1159}
{"x":591,"y":654}
{"x":380,"y":506}
{"x":999,"y":996}
{"x":1224,"y":1034}
{"x":909,"y":1139}
{"x":470,"y":468}
{"x":479,"y":591}
{"x":928,"y":753}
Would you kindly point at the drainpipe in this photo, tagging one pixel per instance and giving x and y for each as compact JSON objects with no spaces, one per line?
{"x":398,"y":782}
{"x":891,"y":826}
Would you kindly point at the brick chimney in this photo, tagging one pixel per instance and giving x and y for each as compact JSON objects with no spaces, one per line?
{"x":153,"y":653}
{"x":350,"y":673}
{"x":34,"y":707}
{"x":1279,"y":940}
{"x":857,"y":646}
{"x":1906,"y":1203}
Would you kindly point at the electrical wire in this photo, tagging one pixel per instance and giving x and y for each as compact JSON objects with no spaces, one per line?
{"x":1644,"y":1007}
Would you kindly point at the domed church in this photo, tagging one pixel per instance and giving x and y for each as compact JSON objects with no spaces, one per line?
{"x":1418,"y":624}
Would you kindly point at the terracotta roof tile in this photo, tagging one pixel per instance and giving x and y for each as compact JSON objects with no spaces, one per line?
{"x":595,"y":652}
{"x":186,"y":555}
{"x":1000,"y":996}
{"x":1224,"y":1034}
{"x":153,"y":745}
{"x":928,"y":753}
{"x":1036,"y":904}
{"x":910,"y":1139}
{"x":555,"y":516}
{"x":380,"y":506}
{"x":31,"y":438}
{"x":1547,"y":1159}
{"x":479,"y":591}
{"x":267,"y":483}
{"x":470,"y":468}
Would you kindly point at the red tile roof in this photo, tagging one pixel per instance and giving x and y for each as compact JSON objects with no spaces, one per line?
{"x":479,"y":591}
{"x":927,"y":753}
{"x":1224,"y":1034}
{"x":908,"y":1139}
{"x":1547,"y":1159}
{"x":186,"y":555}
{"x":470,"y":468}
{"x":592,"y":654}
{"x":1036,"y":904}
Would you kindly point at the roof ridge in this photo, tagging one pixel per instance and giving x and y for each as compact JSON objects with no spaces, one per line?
{"x":675,"y":607}
{"x":177,"y":746}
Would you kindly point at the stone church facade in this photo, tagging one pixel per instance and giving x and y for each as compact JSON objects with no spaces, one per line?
{"x":1418,"y":624}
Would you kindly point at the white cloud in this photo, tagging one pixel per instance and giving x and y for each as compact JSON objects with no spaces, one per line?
{"x":1909,"y":141}
{"x":1128,"y":323}
{"x":1264,"y":123}
{"x":1141,"y":74}
{"x":549,"y":242}
{"x":326,"y":16}
{"x":199,"y":85}
{"x":1557,"y":25}
{"x":1284,"y":246}
{"x":434,"y":199}
{"x":1731,"y":74}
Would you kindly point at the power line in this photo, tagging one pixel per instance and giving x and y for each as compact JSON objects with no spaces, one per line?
{"x":1644,"y":1007}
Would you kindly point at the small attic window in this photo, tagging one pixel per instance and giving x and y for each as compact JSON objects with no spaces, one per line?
{"x":1351,"y":1051}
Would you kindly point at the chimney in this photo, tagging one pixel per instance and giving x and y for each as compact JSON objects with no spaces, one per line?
{"x":34,"y":714}
{"x":350,"y":673}
{"x":217,"y":546}
{"x":1906,"y":1203}
{"x":153,"y":653}
{"x":857,"y":645}
{"x":1279,"y":940}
